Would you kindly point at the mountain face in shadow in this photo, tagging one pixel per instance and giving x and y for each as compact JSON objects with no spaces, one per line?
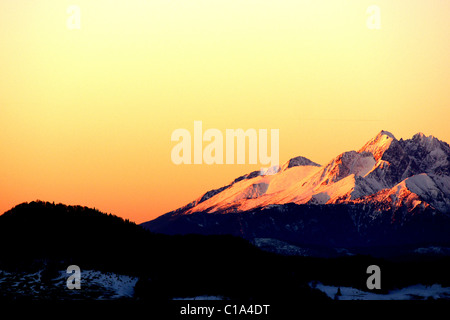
{"x":390,"y":193}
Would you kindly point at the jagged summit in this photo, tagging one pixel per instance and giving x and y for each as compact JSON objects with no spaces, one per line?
{"x":429,"y":142}
{"x":387,"y":133}
{"x":419,"y":135}
{"x":379,"y":144}
{"x":298,"y":161}
{"x":422,"y":136}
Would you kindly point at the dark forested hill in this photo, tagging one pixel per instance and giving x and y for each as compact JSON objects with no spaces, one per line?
{"x":36,"y":233}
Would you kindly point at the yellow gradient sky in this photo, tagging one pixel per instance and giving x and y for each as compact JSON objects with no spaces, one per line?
{"x":86,"y":115}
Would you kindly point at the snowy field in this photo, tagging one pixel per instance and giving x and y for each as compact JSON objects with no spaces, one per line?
{"x":94,"y":285}
{"x":416,"y":292}
{"x":106,"y":286}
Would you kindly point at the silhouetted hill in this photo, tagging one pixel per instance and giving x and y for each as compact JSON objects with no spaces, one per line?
{"x":43,"y":230}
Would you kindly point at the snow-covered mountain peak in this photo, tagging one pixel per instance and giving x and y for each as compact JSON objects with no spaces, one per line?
{"x":384,"y":166}
{"x":386,"y":133}
{"x":345,"y":164}
{"x":428,"y":142}
{"x":419,"y":135}
{"x":379,"y":144}
{"x":298,"y":161}
{"x":390,"y":190}
{"x":423,"y":137}
{"x":428,"y":154}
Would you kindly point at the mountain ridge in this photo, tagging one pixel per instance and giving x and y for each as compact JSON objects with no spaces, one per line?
{"x":397,"y":178}
{"x":382,"y":163}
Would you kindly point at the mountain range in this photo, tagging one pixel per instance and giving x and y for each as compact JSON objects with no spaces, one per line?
{"x":389,"y":194}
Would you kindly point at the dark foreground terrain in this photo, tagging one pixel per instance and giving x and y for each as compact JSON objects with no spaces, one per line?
{"x":39,"y":240}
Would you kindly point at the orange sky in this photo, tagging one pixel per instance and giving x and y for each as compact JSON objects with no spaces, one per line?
{"x":86,"y":115}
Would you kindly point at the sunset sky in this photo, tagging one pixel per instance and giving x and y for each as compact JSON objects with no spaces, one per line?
{"x":86,"y":115}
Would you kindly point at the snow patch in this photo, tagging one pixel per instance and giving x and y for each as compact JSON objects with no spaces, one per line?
{"x":94,"y":285}
{"x":378,"y":145}
{"x":280,"y":247}
{"x":416,"y":292}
